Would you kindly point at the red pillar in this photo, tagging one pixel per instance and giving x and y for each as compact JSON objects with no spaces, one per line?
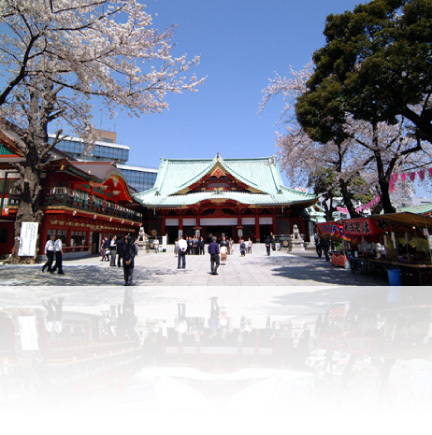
{"x":180,"y":223}
{"x":163,"y":226}
{"x":274,"y":223}
{"x":257,"y":231}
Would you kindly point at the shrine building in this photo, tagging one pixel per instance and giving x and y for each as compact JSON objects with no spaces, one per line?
{"x":81,"y":201}
{"x":238,"y":198}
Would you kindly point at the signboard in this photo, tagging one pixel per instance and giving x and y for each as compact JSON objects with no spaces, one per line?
{"x":364,"y":227}
{"x":352,"y":229}
{"x":164,"y":242}
{"x":28,"y":239}
{"x":218,"y":221}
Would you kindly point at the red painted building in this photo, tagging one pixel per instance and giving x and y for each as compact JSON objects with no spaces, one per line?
{"x":81,"y":201}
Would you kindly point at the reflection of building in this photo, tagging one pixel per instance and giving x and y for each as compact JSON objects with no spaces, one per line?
{"x":357,"y":352}
{"x":80,"y":348}
{"x":235,"y":197}
{"x":105,"y":149}
{"x":81,"y":201}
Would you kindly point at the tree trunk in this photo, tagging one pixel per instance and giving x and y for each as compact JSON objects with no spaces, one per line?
{"x":29,"y":189}
{"x":347,"y":199}
{"x":384,"y":183}
{"x":385,"y":196}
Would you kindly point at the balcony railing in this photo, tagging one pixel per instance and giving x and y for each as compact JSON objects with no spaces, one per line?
{"x":96,"y":206}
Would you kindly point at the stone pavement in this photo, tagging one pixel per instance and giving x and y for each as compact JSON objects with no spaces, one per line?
{"x":151,"y":269}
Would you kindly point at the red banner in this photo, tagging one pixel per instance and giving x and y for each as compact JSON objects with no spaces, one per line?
{"x":364,"y":228}
{"x":353,"y":229}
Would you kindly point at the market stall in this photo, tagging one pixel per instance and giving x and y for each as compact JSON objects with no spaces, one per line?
{"x":407,"y":246}
{"x":395,"y":246}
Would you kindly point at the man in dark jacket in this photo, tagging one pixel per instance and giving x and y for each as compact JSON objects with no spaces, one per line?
{"x":325,"y":244}
{"x":201,"y":244}
{"x":214,"y":251}
{"x":129,"y":260}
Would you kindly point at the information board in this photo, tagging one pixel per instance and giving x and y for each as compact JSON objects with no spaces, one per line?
{"x":28,"y":239}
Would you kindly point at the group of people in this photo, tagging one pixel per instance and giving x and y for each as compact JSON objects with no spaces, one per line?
{"x":54,"y":251}
{"x":121,"y":248}
{"x":218,"y":251}
{"x":194,"y":246}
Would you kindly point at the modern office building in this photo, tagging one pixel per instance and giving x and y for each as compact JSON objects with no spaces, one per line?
{"x":139,"y":178}
{"x":101,"y":151}
{"x":105,"y":149}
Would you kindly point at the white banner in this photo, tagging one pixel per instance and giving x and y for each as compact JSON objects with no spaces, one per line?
{"x":28,"y":239}
{"x":171,"y":222}
{"x":266,"y":220}
{"x":248,"y":221}
{"x":218,"y":221}
{"x":189,"y":222}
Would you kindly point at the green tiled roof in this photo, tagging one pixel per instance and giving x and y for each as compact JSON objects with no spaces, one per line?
{"x":418,"y":209}
{"x":261,"y":174}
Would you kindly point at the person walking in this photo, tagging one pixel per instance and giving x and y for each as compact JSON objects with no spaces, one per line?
{"x":201,"y":244}
{"x":156,"y":245}
{"x":129,"y":260}
{"x":268,"y":242}
{"x":224,"y":245}
{"x":183,"y":246}
{"x":105,"y":249}
{"x":195,"y":246}
{"x":58,"y":252}
{"x":113,"y":251}
{"x":249,"y":246}
{"x":242,"y":248}
{"x":120,"y":250}
{"x":318,"y":246}
{"x":231,"y":246}
{"x":325,"y":247}
{"x":189,"y":243}
{"x":49,"y":252}
{"x":214,"y":251}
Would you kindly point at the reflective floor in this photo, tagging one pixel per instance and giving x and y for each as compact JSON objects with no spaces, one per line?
{"x":310,"y":358}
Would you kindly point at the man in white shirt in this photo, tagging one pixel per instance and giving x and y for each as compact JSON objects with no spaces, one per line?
{"x":49,"y":252}
{"x":58,"y":251}
{"x":182,"y":244}
{"x":113,"y":250}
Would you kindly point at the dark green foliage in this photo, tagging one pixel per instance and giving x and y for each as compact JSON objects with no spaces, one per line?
{"x":376,"y":65}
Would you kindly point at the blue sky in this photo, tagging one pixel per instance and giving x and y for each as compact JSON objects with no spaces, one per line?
{"x":242,"y":43}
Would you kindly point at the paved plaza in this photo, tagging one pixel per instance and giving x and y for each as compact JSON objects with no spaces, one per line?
{"x":151,"y":269}
{"x":257,"y":285}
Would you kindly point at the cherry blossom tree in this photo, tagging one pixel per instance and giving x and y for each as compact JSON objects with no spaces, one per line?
{"x":372,"y":151}
{"x":334,"y":165}
{"x":59,"y":56}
